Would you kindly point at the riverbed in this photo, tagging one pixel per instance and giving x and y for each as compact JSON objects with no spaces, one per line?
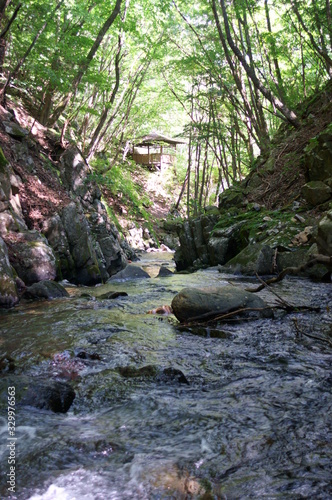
{"x":234,"y":410}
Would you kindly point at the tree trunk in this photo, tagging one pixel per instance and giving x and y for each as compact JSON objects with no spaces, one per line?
{"x":104,"y":115}
{"x":26,"y":54}
{"x":76,"y":81}
{"x":288,"y":114}
{"x":320,"y":51}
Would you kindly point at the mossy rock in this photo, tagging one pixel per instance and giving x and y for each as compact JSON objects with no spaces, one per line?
{"x":3,"y":161}
{"x":256,"y":258}
{"x":231,"y":198}
{"x":8,"y":291}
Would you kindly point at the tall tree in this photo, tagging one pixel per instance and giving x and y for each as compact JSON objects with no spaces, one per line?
{"x":289,"y":114}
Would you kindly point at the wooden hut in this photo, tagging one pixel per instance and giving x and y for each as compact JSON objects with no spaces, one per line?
{"x":155,"y":150}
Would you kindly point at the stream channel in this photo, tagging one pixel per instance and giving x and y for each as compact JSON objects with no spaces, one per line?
{"x":251,"y":416}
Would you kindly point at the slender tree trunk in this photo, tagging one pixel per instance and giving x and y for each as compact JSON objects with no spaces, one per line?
{"x":104,"y":115}
{"x":320,"y":51}
{"x":288,"y":114}
{"x":329,"y":21}
{"x":26,"y":55}
{"x":304,"y":86}
{"x":10,"y":22}
{"x":77,"y":80}
{"x":183,"y":188}
{"x":281,"y":89}
{"x":205,"y":162}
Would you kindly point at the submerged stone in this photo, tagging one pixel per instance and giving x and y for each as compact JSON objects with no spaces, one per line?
{"x":164,"y":271}
{"x":171,"y":375}
{"x":45,"y":289}
{"x":50,"y":395}
{"x":112,"y":295}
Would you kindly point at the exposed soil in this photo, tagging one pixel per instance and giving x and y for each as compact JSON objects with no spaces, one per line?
{"x":41,"y":193}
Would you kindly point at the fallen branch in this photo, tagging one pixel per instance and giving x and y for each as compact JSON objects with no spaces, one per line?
{"x":280,"y":299}
{"x":213,"y":316}
{"x":300,"y":332}
{"x":314,"y":259}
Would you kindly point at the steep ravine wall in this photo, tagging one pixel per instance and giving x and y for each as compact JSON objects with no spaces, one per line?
{"x":75,"y":239}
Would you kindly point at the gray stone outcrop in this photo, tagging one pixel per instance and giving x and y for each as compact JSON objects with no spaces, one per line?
{"x":316,"y":192}
{"x":32,"y":258}
{"x":8,"y":291}
{"x":324,"y":235}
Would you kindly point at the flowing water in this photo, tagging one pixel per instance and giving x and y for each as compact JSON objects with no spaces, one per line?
{"x":253,"y":421}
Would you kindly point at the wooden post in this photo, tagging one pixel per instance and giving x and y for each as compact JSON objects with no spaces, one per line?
{"x":148,"y":155}
{"x":161,"y":158}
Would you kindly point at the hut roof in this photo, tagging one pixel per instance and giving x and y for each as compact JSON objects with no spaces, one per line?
{"x":155,"y":138}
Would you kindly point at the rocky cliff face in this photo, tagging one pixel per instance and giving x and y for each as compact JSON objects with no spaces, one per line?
{"x":53,"y":224}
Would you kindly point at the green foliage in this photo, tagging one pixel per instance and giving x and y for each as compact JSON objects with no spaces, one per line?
{"x":173,"y":76}
{"x":119,"y":181}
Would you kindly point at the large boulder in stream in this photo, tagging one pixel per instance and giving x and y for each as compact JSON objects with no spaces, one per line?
{"x":46,"y":289}
{"x":204,"y":303}
{"x":129,"y":273}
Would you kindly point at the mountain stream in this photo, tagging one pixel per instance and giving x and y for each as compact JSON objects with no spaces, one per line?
{"x":239,"y":410}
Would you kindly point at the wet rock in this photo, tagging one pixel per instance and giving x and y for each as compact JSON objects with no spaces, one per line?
{"x":85,"y":355}
{"x":49,"y":395}
{"x":7,"y":364}
{"x":172,"y":375}
{"x":164,"y":271}
{"x":225,"y":243}
{"x":133,"y":372}
{"x":55,"y":233}
{"x":162,"y":310}
{"x":45,"y":289}
{"x":324,"y":236}
{"x":191,"y":303}
{"x":186,"y":254}
{"x":86,"y":265}
{"x":8,"y":290}
{"x":112,"y":295}
{"x":129,"y":273}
